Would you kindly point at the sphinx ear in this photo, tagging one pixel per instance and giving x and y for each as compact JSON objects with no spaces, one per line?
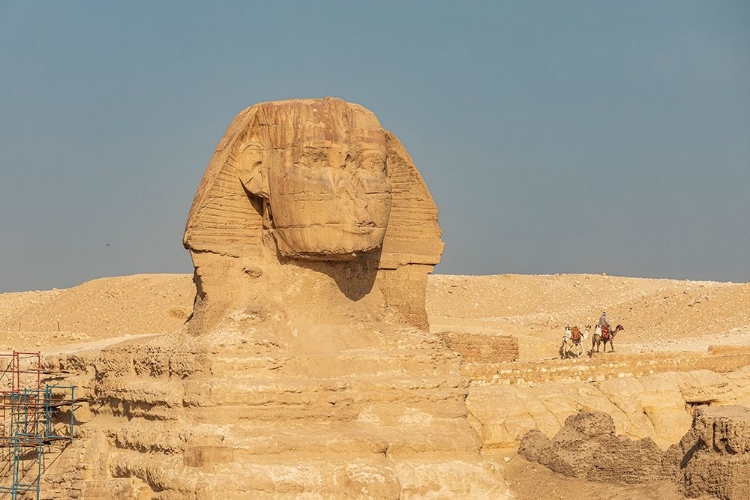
{"x":253,"y":170}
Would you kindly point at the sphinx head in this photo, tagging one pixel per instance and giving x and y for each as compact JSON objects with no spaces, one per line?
{"x":324,"y":182}
{"x":315,"y":179}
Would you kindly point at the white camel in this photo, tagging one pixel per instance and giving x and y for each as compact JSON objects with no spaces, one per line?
{"x":571,"y":339}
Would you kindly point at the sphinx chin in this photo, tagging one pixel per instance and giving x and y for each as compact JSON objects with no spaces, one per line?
{"x":335,"y":243}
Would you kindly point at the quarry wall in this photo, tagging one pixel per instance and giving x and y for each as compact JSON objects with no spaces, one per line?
{"x":651,"y":395}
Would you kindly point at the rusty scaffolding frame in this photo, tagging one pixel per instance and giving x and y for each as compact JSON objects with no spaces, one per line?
{"x":27,"y":412}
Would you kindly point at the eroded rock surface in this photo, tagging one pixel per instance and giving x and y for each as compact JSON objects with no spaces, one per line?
{"x":713,"y":458}
{"x":655,"y":406}
{"x":588,"y":448}
{"x":315,"y":181}
{"x":306,"y":369}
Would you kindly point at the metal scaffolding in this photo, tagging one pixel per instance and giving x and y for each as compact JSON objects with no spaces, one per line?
{"x":28,"y":414}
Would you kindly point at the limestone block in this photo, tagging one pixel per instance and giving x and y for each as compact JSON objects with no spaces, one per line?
{"x":587,"y":447}
{"x":477,"y":348}
{"x":717,"y":453}
{"x":450,"y":479}
{"x":207,"y":456}
{"x":82,"y":413}
{"x":626,"y":394}
{"x":705,"y":386}
{"x":723,"y":477}
{"x":664,"y":405}
{"x":724,"y":429}
{"x":116,"y":489}
{"x":740,"y":381}
{"x":651,"y":406}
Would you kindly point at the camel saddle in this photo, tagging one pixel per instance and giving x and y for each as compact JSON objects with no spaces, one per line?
{"x":605,"y":332}
{"x":575,"y":334}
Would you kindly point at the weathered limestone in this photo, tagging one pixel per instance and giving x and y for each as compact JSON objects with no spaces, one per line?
{"x":587,"y":447}
{"x":313,"y":180}
{"x":716,"y":453}
{"x":654,"y":406}
{"x":646,"y":395}
{"x":481,"y":349}
{"x":306,"y":369}
{"x":713,"y":458}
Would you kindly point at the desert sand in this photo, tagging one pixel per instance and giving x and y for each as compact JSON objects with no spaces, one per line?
{"x":535,"y":309}
{"x":661,"y":315}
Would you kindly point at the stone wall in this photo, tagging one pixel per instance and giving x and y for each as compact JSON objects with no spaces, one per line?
{"x":719,"y":359}
{"x":478,"y":348}
{"x":712,"y":458}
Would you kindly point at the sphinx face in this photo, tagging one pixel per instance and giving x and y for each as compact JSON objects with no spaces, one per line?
{"x":330,"y":198}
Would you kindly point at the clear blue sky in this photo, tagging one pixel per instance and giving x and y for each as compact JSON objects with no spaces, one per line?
{"x":577,"y":136}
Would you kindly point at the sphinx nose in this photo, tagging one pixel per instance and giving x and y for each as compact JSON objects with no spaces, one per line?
{"x":362,"y":212}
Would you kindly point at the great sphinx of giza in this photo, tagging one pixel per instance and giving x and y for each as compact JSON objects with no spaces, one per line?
{"x":316,"y":183}
{"x":307,"y":369}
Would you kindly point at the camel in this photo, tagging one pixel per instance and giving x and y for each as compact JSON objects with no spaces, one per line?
{"x":596,"y":340}
{"x":604,"y":337}
{"x":573,"y":338}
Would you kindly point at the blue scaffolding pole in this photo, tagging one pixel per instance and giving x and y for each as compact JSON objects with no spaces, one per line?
{"x":27,"y":422}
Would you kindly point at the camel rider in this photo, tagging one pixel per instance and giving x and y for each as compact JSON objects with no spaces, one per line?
{"x":603,"y":321}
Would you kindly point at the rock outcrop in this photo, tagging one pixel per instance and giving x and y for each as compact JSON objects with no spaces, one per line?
{"x":588,"y":448}
{"x":655,"y":406}
{"x":713,"y":458}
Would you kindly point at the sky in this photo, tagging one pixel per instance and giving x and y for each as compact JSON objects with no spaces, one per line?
{"x":555,"y":137}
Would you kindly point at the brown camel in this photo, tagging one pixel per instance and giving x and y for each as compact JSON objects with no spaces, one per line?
{"x":603,"y":335}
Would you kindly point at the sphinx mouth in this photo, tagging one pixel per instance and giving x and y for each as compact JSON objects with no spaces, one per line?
{"x":359,"y":229}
